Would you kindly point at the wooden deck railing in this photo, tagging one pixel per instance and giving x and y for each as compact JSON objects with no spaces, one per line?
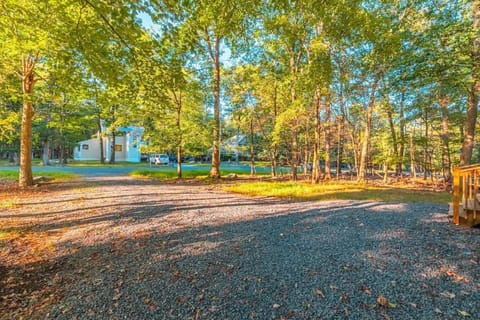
{"x":466,"y":195}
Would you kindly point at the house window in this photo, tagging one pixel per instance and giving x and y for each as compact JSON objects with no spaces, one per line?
{"x":118,"y":148}
{"x":85,"y":146}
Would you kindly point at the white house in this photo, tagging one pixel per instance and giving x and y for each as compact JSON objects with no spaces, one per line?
{"x":127,"y":146}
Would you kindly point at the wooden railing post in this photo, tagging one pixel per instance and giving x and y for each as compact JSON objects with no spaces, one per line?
{"x":456,"y":196}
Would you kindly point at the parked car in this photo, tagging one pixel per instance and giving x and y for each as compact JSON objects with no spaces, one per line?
{"x":159,"y":159}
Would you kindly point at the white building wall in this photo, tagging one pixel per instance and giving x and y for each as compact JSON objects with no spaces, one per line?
{"x":130,"y":145}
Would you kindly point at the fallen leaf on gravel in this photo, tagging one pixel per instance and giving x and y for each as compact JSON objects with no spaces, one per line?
{"x":365,"y":290}
{"x":454,"y":275}
{"x":448,"y":294}
{"x":383,"y":301}
{"x":464,"y":313}
{"x":152,"y":307}
{"x":147,"y":300}
{"x":320,"y":293}
{"x":66,"y":310}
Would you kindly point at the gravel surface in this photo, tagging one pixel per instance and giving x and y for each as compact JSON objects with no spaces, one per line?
{"x":121,"y":248}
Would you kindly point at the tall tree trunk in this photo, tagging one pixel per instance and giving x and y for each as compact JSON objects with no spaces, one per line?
{"x":215,"y":55}
{"x":339,"y":146}
{"x":179,"y":146}
{"x":179,"y":105}
{"x":402,"y":135}
{"x":252,"y":149}
{"x":385,"y":171}
{"x":328,"y":170}
{"x":413,"y":170}
{"x":341,"y":119}
{"x":28,"y":82}
{"x":46,"y":152}
{"x":100,"y":140}
{"x":179,"y":161}
{"x":316,"y":144}
{"x":366,"y":137}
{"x":446,"y":163}
{"x":112,"y":148}
{"x":394,"y":136}
{"x":293,"y":97}
{"x":426,"y":147}
{"x":274,"y":146}
{"x":294,"y":152}
{"x":472,"y":104}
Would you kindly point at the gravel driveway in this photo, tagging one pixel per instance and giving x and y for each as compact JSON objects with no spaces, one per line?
{"x":124,"y":248}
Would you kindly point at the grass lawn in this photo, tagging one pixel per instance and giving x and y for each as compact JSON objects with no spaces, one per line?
{"x":337,"y":191}
{"x":171,"y":173}
{"x":9,"y":175}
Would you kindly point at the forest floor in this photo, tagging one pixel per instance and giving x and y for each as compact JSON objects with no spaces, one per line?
{"x":118,"y":247}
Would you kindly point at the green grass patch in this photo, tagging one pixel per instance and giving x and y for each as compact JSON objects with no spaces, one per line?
{"x":168,"y":173}
{"x":10,"y":175}
{"x":171,"y":173}
{"x":337,"y":191}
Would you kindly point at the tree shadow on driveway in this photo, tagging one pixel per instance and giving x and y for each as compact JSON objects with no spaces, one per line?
{"x":209,"y":255}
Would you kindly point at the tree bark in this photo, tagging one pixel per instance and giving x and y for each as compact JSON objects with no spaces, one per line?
{"x":112,"y":147}
{"x":293,"y":97}
{"x":46,"y":152}
{"x":402,"y":135}
{"x":316,"y":144}
{"x":445,"y":135}
{"x":294,"y":152}
{"x":413,"y":170}
{"x":472,"y":104}
{"x":328,"y":174}
{"x":394,"y":135}
{"x":274,"y":147}
{"x":252,"y":149}
{"x":366,"y":138}
{"x":179,"y":106}
{"x":28,"y":82}
{"x":426,"y":147}
{"x":215,"y":55}
{"x":100,"y":139}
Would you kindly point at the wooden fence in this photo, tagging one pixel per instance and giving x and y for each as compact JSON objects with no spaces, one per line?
{"x":466,"y":195}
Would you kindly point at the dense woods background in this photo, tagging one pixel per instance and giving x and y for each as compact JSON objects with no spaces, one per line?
{"x":390,"y":84}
